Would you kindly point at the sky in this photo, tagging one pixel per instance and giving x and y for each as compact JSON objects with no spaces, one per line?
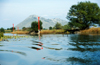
{"x":15,"y":11}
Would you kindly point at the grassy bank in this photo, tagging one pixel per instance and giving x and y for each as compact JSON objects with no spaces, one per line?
{"x":60,"y":31}
{"x":1,"y":35}
{"x":7,"y":31}
{"x":91,"y":31}
{"x":5,"y":38}
{"x":20,"y":32}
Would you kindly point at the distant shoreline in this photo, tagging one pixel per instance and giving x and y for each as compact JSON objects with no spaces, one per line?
{"x":59,"y":31}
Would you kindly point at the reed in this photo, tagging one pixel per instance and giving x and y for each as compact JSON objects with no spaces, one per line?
{"x":20,"y":32}
{"x":91,"y":31}
{"x":60,"y":31}
{"x":7,"y":31}
{"x":1,"y":35}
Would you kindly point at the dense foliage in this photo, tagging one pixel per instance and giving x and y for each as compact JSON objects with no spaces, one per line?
{"x":50,"y":28}
{"x":2,"y":30}
{"x":12,"y":28}
{"x":58,"y":26}
{"x":34,"y":25}
{"x":66,"y":26}
{"x":1,"y":34}
{"x":83,"y":14}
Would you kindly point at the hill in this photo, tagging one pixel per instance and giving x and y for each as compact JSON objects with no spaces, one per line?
{"x":46,"y":22}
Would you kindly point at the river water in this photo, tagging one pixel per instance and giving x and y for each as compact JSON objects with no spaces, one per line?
{"x":51,"y":49}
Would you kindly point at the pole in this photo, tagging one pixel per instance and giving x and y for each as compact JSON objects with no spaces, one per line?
{"x":38,"y":25}
{"x":17,"y":28}
{"x":13,"y":27}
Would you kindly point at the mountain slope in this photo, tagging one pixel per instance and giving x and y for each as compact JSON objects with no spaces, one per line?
{"x":46,"y":22}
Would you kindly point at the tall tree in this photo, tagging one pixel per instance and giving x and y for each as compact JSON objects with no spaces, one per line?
{"x":83,"y":14}
{"x":34,"y":25}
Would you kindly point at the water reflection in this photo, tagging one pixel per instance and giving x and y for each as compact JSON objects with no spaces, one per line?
{"x":22,"y":53}
{"x":70,"y":59}
{"x":79,"y":60}
{"x":62,"y":49}
{"x":52,"y":48}
{"x":36,"y":48}
{"x":83,"y":43}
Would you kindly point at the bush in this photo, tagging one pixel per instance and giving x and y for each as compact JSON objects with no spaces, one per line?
{"x":2,"y":30}
{"x":1,"y":34}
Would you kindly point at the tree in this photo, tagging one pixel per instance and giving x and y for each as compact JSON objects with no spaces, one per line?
{"x":66,"y":26}
{"x":83,"y":14}
{"x":50,"y":28}
{"x":58,"y":25}
{"x":34,"y":25}
{"x":24,"y":28}
{"x":8,"y":28}
{"x":2,"y":30}
{"x":12,"y":29}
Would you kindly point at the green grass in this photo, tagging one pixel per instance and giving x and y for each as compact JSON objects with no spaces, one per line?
{"x":1,"y":35}
{"x":7,"y":31}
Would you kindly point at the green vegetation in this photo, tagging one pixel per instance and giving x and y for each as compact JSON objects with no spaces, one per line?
{"x":91,"y":31}
{"x":66,"y":27}
{"x":83,"y":14}
{"x":2,"y":30}
{"x":23,"y":28}
{"x":58,"y":26}
{"x":34,"y":25}
{"x":12,"y":29}
{"x":1,"y":34}
{"x":7,"y":31}
{"x":50,"y":28}
{"x":5,"y":38}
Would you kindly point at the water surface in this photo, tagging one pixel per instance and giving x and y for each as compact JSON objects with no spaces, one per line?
{"x":51,"y":49}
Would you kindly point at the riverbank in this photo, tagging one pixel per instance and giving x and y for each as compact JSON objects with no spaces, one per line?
{"x":1,"y":35}
{"x":20,"y":32}
{"x":91,"y":31}
{"x":59,"y":31}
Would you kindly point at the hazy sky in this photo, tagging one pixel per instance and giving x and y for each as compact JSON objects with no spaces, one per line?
{"x":15,"y":11}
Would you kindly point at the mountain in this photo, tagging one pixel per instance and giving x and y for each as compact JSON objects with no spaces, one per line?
{"x":46,"y":22}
